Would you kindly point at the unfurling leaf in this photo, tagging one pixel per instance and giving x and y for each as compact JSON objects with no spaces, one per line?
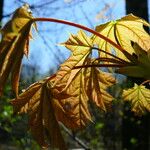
{"x":14,"y":44}
{"x":37,"y":101}
{"x":139,"y":96}
{"x":123,"y":31}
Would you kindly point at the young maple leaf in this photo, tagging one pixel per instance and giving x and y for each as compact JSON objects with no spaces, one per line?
{"x":37,"y":101}
{"x":79,"y":41}
{"x":139,"y":96}
{"x":122,"y":32}
{"x":88,"y":84}
{"x":80,"y":52}
{"x":75,"y":81}
{"x":69,"y":79}
{"x":76,"y":106}
{"x":14,"y":44}
{"x":97,"y":83}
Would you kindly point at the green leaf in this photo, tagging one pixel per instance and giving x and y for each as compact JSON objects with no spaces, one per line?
{"x":139,"y":96}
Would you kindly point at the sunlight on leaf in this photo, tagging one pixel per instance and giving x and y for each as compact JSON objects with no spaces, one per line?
{"x":122,"y":32}
{"x":97,"y":84}
{"x":65,"y":96}
{"x":139,"y":96}
{"x":80,"y":52}
{"x":14,"y":44}
{"x":37,"y":102}
{"x":76,"y":106}
{"x":79,"y":41}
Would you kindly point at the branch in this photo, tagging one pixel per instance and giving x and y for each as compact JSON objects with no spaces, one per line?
{"x":147,"y":81}
{"x":76,"y":139}
{"x":38,"y":5}
{"x":112,"y":60}
{"x":8,"y":15}
{"x":100,"y":65}
{"x":128,"y":55}
{"x":112,"y":55}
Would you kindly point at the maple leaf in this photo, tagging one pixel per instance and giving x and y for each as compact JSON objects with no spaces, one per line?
{"x":79,"y":41}
{"x":80,"y":52}
{"x":74,"y":81}
{"x":87,"y":84}
{"x":75,"y":106}
{"x":37,"y":102}
{"x":14,"y":44}
{"x":97,"y":83}
{"x":122,"y":32}
{"x":139,"y":96}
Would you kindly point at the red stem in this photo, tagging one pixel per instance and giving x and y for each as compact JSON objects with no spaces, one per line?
{"x":147,"y":81}
{"x":110,"y":54}
{"x":100,"y":65}
{"x":128,"y":55}
{"x":111,"y":60}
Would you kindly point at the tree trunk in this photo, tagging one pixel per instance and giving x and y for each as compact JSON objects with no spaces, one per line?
{"x":1,"y":10}
{"x":135,"y":129}
{"x":138,"y":8}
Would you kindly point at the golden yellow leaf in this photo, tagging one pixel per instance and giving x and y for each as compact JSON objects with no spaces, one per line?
{"x":78,"y":57}
{"x":122,"y":32}
{"x":79,"y":41}
{"x":13,"y":45}
{"x":37,"y":102}
{"x":87,"y":84}
{"x":139,"y":96}
{"x":73,"y":110}
{"x":75,"y":106}
{"x":50,"y":121}
{"x":97,"y":83}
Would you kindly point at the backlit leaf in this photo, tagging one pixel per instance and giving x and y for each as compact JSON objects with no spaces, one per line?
{"x":79,"y":41}
{"x":97,"y":83}
{"x":122,"y":32}
{"x":76,"y":106}
{"x":37,"y":102}
{"x":13,"y":45}
{"x":80,"y":53}
{"x":139,"y":96}
{"x":87,"y":84}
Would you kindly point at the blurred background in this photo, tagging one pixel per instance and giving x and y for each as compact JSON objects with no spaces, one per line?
{"x":119,"y":129}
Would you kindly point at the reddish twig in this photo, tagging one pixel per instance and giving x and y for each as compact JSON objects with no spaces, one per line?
{"x":128,"y":55}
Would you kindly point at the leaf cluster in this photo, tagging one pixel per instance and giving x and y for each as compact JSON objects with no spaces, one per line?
{"x":64,"y":97}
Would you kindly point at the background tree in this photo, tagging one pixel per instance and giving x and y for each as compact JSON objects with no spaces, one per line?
{"x":1,"y":10}
{"x":138,"y":134}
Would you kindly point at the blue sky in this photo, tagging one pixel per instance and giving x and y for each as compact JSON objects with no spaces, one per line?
{"x":44,"y":51}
